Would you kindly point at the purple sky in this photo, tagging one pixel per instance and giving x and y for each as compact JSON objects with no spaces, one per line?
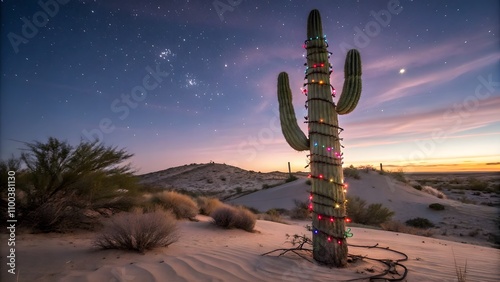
{"x":212,"y":94}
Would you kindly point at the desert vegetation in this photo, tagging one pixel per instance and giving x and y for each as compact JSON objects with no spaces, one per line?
{"x":208,"y":205}
{"x":419,"y":222}
{"x":57,"y":183}
{"x":138,"y":231}
{"x":300,"y":211}
{"x":182,"y":206}
{"x":373,"y":214}
{"x":436,"y":206}
{"x":351,"y":172}
{"x":227,"y":216}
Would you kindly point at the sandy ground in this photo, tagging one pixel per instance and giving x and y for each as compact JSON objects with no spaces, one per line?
{"x":208,"y":253}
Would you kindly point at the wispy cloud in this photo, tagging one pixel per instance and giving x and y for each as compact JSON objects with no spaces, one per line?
{"x":422,"y":124}
{"x":426,"y":56}
{"x":414,"y":86}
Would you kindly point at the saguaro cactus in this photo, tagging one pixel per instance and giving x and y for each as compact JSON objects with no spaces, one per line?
{"x":328,"y":189}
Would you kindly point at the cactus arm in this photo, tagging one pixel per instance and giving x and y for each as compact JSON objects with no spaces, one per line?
{"x":293,"y":135}
{"x":351,"y":90}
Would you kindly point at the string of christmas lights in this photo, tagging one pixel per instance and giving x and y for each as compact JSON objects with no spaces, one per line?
{"x":318,"y":52}
{"x":316,"y":38}
{"x":337,"y":158}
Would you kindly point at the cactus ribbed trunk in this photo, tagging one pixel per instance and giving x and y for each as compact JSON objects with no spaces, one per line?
{"x":328,"y":191}
{"x":321,"y":115}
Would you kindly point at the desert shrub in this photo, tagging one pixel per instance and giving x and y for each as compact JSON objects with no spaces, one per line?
{"x":417,"y":186}
{"x":308,"y":182}
{"x":351,"y":172}
{"x":274,"y":215}
{"x":300,"y":211}
{"x":61,"y":181}
{"x":291,"y":178}
{"x":419,"y":222}
{"x":476,"y":184}
{"x":399,"y":175}
{"x":245,"y":220}
{"x":138,"y":231}
{"x":224,"y":216}
{"x":121,"y":203}
{"x":433,"y":191}
{"x":232,"y":217}
{"x":265,"y":186}
{"x":366,"y":168}
{"x":208,"y":205}
{"x":436,"y":206}
{"x":373,"y":214}
{"x":89,"y":170}
{"x":397,"y":226}
{"x":182,"y":206}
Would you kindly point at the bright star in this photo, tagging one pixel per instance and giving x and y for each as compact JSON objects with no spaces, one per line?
{"x":401,"y":71}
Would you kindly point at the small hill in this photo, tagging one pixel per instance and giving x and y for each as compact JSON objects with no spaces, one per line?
{"x":212,"y":179}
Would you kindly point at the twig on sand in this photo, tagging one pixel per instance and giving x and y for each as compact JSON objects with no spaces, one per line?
{"x":391,"y":265}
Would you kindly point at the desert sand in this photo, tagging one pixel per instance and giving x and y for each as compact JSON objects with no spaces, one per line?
{"x":206,"y":252}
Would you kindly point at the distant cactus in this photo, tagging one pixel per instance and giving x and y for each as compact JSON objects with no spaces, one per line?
{"x":328,"y":190}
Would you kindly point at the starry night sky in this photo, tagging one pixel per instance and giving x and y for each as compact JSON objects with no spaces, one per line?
{"x":175,"y":82}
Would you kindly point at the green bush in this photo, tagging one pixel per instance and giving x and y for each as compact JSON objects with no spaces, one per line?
{"x":138,"y":231}
{"x":60,"y":181}
{"x":351,"y":172}
{"x":419,"y":222}
{"x":436,"y":206}
{"x":182,"y":206}
{"x":373,"y":214}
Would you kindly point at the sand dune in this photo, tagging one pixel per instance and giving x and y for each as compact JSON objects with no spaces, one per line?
{"x":456,"y":221}
{"x":212,"y":179}
{"x":207,"y":253}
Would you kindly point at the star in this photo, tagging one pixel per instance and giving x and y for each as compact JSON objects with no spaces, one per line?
{"x":401,"y":71}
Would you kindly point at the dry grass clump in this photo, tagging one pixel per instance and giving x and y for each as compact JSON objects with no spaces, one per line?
{"x":182,"y":206}
{"x":352,"y":172}
{"x":433,"y":191}
{"x":300,"y":211}
{"x":234,"y":217}
{"x":138,"y":231}
{"x":208,"y":205}
{"x":274,"y":215}
{"x":397,"y":226}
